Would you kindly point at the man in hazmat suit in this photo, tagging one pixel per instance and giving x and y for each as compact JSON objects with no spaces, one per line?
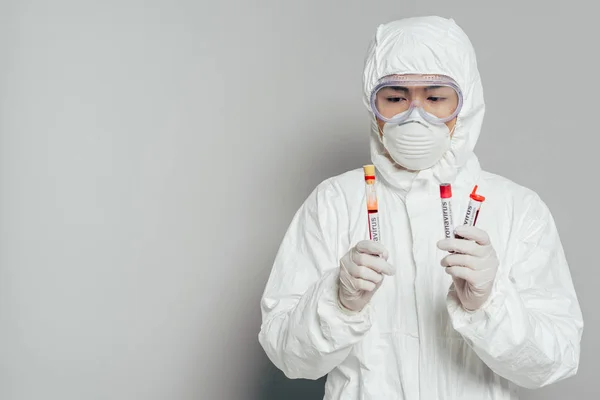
{"x":417,"y":316}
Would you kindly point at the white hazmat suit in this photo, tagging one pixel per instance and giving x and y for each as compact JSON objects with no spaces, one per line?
{"x":414,"y":339}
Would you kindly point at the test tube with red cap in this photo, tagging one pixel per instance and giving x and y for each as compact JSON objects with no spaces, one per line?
{"x":474,"y":206}
{"x":475,"y":201}
{"x":446,"y":197}
{"x":372,"y":206}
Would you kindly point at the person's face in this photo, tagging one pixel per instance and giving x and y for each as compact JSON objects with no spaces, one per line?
{"x":440,"y":101}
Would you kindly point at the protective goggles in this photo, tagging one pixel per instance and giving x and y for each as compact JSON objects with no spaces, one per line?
{"x":437,"y":98}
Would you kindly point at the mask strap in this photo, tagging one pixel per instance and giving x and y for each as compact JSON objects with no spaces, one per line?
{"x":452,"y":131}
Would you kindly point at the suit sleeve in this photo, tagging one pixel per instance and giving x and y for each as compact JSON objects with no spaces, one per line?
{"x":305,"y":332}
{"x":530,"y":329}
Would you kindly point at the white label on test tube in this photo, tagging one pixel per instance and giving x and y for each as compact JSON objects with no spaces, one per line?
{"x":374,"y":225}
{"x":472,"y":212}
{"x":447,"y":214}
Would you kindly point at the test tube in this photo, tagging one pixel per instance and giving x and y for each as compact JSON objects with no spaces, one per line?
{"x":372,"y":205}
{"x":446,"y":197}
{"x":473,"y":208}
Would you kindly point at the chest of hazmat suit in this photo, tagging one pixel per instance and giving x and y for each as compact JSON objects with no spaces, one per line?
{"x":414,"y":340}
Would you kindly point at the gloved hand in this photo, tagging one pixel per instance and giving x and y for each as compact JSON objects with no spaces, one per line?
{"x":361,"y":274}
{"x":473,"y":267}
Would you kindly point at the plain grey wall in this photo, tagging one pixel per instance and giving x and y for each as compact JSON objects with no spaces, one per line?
{"x":152,"y":154}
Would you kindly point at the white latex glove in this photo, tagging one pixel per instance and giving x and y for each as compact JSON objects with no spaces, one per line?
{"x":473,"y":267}
{"x":361,"y":273}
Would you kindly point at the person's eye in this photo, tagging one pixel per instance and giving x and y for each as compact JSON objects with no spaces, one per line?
{"x":436,"y":99}
{"x":395,"y":99}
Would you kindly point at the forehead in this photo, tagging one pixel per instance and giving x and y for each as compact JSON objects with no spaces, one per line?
{"x":411,"y":88}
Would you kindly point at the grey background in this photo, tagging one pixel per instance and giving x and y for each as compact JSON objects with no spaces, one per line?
{"x":153,"y":153}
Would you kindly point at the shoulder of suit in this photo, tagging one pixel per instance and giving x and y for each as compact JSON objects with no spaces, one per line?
{"x":499,"y":186}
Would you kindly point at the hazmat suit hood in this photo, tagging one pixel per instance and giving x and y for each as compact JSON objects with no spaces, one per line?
{"x":426,"y":45}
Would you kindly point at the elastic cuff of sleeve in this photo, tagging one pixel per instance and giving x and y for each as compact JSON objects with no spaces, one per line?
{"x":347,"y":311}
{"x":462,"y":317}
{"x":336,"y":321}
